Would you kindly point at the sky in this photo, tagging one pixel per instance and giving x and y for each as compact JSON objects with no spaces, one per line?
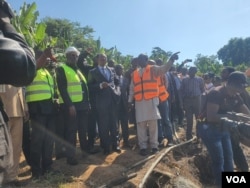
{"x":137,"y":26}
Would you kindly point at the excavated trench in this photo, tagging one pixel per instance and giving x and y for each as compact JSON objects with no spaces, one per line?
{"x":186,"y":165}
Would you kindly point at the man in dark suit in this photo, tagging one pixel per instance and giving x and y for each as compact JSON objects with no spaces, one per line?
{"x":92,"y":115}
{"x":103,"y":81}
{"x":123,"y":105}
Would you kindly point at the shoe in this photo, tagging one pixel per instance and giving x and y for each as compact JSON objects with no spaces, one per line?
{"x":15,"y":183}
{"x":72,"y":161}
{"x":154,"y":150}
{"x":143,"y":152}
{"x":117,"y":149}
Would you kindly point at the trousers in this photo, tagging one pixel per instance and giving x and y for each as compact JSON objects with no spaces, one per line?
{"x":219,"y":147}
{"x":145,"y":127}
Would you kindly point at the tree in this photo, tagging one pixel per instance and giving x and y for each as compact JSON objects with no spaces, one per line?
{"x":62,"y":29}
{"x":208,"y":64}
{"x":236,"y":52}
{"x":72,"y":34}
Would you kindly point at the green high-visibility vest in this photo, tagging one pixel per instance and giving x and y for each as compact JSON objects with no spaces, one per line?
{"x":41,"y":88}
{"x":74,"y":87}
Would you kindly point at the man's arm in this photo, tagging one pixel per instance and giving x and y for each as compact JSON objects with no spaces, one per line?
{"x":160,"y":70}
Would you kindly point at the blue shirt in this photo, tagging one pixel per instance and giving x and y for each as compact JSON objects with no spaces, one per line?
{"x":106,"y":72}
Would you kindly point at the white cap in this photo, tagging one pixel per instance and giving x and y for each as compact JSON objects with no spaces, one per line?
{"x":72,"y":49}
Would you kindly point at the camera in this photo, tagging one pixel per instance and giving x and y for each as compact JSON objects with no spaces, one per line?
{"x":5,"y":7}
{"x":228,"y":122}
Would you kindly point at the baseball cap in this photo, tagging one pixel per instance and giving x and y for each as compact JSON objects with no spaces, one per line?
{"x":72,"y":49}
{"x":237,"y":79}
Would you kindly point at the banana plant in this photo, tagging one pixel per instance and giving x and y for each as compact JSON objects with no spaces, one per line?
{"x":26,"y":24}
{"x":157,"y":52}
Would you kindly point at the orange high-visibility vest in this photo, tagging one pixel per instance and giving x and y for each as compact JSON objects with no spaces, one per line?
{"x":146,"y":86}
{"x":163,"y":94}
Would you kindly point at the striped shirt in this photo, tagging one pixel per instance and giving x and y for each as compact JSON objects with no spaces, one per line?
{"x":192,"y":87}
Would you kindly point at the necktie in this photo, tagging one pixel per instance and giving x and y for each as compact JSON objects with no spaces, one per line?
{"x":104,"y":73}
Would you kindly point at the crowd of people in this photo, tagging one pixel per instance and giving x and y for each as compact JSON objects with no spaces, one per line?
{"x":74,"y":100}
{"x":63,"y":102}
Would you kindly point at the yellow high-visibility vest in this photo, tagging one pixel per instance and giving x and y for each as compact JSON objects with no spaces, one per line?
{"x":163,"y":94}
{"x":74,"y":87}
{"x":41,"y":88}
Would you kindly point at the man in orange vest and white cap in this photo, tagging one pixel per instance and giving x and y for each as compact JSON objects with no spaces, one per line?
{"x":144,"y":90}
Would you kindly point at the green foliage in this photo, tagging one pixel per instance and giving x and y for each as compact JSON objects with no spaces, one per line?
{"x":206,"y":64}
{"x":26,"y":23}
{"x":69,"y":33}
{"x":27,"y":18}
{"x":51,"y":180}
{"x":241,"y":67}
{"x":236,"y":52}
{"x":60,"y":28}
{"x":158,"y":53}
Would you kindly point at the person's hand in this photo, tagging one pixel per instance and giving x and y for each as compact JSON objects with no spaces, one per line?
{"x":48,"y":52}
{"x":174,"y":56}
{"x":89,"y":51}
{"x":26,"y":116}
{"x":42,"y":60}
{"x":105,"y":84}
